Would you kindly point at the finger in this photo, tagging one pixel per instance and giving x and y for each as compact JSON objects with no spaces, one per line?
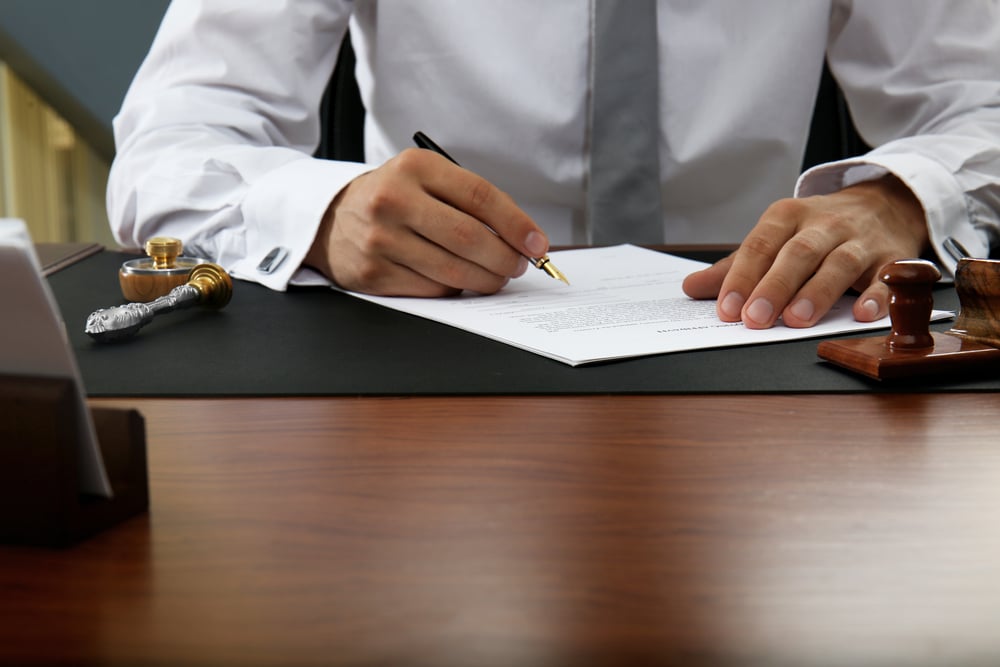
{"x":810,"y":270}
{"x":382,"y":277}
{"x":838,"y":272}
{"x":467,"y":238}
{"x":395,"y":219}
{"x":413,"y":267}
{"x":873,"y":304}
{"x":706,"y":283}
{"x":483,"y":201}
{"x":807,"y":264}
{"x":754,"y":258}
{"x":448,"y":269}
{"x":402,"y":281}
{"x":374,"y":242}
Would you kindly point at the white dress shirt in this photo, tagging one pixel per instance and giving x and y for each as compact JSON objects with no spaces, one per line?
{"x":215,"y":135}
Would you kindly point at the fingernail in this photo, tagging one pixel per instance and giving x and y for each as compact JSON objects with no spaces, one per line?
{"x":803,"y":309}
{"x":731,"y":305}
{"x":535,"y":244}
{"x":870,"y":309}
{"x":522,"y":266}
{"x":760,"y":311}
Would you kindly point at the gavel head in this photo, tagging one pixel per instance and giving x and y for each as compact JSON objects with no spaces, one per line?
{"x":910,"y":302}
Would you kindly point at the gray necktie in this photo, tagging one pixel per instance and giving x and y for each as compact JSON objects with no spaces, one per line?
{"x":623,"y":192}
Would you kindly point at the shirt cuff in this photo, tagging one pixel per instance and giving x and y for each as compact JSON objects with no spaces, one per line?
{"x":282,"y":213}
{"x":933,"y":185}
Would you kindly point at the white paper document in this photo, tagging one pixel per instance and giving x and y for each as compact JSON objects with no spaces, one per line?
{"x":33,"y":341}
{"x":622,"y":301}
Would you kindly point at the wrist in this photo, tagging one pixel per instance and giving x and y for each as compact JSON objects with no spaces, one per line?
{"x":318,"y":256}
{"x":897,"y":201}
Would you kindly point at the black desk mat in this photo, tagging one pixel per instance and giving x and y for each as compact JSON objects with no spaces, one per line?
{"x":323,"y":343}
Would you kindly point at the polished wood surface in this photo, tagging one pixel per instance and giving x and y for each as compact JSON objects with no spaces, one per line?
{"x":723,"y":530}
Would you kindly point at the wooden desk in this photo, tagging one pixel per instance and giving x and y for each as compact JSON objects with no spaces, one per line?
{"x":722,"y":530}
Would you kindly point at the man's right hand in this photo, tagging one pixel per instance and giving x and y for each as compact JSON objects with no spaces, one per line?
{"x":419,"y":225}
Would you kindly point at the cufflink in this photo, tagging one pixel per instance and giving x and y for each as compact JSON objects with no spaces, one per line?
{"x":273,"y":259}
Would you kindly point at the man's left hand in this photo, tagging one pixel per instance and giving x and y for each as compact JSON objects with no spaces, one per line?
{"x":804,"y":254}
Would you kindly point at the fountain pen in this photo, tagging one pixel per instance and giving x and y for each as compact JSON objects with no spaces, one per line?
{"x":543,"y":263}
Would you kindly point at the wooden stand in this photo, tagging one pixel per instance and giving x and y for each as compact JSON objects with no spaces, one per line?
{"x":971,"y":346}
{"x":40,"y":501}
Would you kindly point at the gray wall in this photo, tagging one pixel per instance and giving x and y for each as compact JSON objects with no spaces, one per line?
{"x":79,"y":55}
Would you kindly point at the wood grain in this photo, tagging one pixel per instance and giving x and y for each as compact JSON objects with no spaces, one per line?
{"x":723,"y":530}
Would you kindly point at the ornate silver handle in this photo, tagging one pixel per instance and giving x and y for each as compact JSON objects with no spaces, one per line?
{"x":209,"y":285}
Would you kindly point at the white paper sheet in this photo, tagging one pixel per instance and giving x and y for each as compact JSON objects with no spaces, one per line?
{"x":33,"y":340}
{"x":623,"y":301}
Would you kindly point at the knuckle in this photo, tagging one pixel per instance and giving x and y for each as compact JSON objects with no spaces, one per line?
{"x":481,"y":194}
{"x":409,"y":160}
{"x":383,"y":202}
{"x":851,"y":259}
{"x":806,"y":247}
{"x":781,"y":285}
{"x":366,"y":275}
{"x":463,"y":234}
{"x":450,"y":274}
{"x":373,"y":240}
{"x":788,"y":208}
{"x":759,"y":246}
{"x":839,"y":222}
{"x":458,"y":275}
{"x":826,"y":292}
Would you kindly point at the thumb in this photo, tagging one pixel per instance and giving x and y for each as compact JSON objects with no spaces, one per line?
{"x":706,"y":283}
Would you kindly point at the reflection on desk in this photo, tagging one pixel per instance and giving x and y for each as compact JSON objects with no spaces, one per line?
{"x":781,"y":529}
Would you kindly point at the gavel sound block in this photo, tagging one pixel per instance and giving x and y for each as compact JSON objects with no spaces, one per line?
{"x":911,"y":349}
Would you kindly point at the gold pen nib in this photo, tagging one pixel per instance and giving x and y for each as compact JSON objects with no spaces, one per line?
{"x":546,"y":265}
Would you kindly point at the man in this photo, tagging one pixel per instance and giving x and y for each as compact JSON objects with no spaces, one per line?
{"x":215,"y":137}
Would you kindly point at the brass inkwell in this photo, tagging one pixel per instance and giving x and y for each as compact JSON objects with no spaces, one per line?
{"x":148,"y":278}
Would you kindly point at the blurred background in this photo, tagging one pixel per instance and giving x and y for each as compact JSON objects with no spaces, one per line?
{"x":64,"y":68}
